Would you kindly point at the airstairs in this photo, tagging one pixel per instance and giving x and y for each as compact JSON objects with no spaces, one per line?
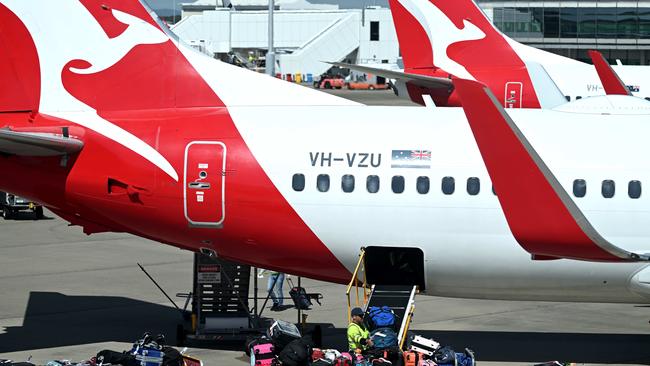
{"x":334,"y":43}
{"x":399,"y":297}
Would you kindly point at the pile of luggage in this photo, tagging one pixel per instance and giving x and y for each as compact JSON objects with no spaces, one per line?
{"x":427,"y":352}
{"x":147,"y":351}
{"x":284,"y":345}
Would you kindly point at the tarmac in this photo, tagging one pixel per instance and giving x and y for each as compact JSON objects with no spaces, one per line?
{"x":65,"y":295}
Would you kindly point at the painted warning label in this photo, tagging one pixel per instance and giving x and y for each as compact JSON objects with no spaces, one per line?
{"x":209,"y":273}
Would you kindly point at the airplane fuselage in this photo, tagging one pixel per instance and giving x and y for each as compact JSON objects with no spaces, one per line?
{"x":256,"y":211}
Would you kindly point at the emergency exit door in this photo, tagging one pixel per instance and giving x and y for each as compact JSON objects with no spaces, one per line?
{"x":204,"y":183}
{"x":514,"y":91}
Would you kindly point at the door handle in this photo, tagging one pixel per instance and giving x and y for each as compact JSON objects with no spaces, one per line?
{"x":199,"y":185}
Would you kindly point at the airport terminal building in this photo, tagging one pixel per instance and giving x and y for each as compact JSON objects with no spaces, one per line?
{"x":619,"y":29}
{"x":310,"y":31}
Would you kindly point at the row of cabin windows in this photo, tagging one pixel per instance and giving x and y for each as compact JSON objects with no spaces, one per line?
{"x":607,"y":189}
{"x":397,"y":184}
{"x":448,"y":185}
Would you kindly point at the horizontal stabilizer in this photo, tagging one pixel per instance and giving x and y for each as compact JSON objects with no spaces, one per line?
{"x":424,"y":81}
{"x":541,"y":215}
{"x":612,"y":84}
{"x":37,"y":143}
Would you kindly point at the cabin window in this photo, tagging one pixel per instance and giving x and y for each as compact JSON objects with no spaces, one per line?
{"x":634,"y":189}
{"x":298,"y":182}
{"x":372,"y":184}
{"x":448,"y":185}
{"x":608,"y":188}
{"x":579,"y":188}
{"x":347,"y":183}
{"x":473,"y":186}
{"x":423,"y":185}
{"x":323,"y":182}
{"x":397,"y":184}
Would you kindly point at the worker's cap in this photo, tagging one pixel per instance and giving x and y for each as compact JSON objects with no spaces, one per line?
{"x":357,"y":311}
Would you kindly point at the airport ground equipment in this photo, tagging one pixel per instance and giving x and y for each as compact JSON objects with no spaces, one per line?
{"x":11,"y":204}
{"x":399,"y":297}
{"x":220,"y":308}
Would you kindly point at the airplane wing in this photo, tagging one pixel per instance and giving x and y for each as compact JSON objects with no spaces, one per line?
{"x":430,"y":82}
{"x":37,"y":143}
{"x":611,"y":82}
{"x":543,"y":218}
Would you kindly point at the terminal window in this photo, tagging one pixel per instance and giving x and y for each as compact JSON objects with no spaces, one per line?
{"x":374,"y":31}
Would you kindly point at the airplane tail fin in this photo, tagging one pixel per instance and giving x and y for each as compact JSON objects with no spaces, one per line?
{"x":429,"y":31}
{"x":108,"y":55}
{"x":608,"y":77}
{"x":457,"y":38}
{"x":19,"y":68}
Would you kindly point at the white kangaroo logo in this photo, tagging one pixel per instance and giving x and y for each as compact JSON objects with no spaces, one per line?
{"x":442,"y":33}
{"x":58,"y":41}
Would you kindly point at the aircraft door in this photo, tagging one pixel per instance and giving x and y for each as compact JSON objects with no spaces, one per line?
{"x":204,"y":184}
{"x":513,"y":95}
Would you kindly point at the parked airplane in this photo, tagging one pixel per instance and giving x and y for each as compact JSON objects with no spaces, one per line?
{"x":439,"y":39}
{"x":115,"y":125}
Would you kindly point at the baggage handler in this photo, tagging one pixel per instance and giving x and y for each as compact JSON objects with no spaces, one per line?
{"x":358,"y":336}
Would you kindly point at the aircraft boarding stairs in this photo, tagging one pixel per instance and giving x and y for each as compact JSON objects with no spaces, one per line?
{"x":399,"y":297}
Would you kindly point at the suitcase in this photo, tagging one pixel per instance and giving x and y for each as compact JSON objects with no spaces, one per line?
{"x":299,"y":296}
{"x":424,"y":362}
{"x":424,"y":345}
{"x":282,"y":333}
{"x":344,"y":360}
{"x":465,"y":359}
{"x":149,"y":356}
{"x":322,"y":362}
{"x":317,"y":354}
{"x":262,"y":354}
{"x":411,"y":358}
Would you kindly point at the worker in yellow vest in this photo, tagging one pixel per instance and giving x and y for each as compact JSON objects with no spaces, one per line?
{"x":358,"y":336}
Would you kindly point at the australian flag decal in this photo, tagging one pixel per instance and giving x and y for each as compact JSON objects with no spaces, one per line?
{"x":418,"y":159}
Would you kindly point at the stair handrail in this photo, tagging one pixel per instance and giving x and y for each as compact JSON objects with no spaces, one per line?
{"x":354,"y":281}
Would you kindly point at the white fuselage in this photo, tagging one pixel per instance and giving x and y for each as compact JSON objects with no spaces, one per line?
{"x":577,"y":79}
{"x":469,"y":249}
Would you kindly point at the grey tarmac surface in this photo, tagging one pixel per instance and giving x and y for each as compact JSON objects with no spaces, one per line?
{"x":65,"y":295}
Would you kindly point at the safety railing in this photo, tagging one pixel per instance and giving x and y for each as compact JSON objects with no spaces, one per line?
{"x":359,"y":286}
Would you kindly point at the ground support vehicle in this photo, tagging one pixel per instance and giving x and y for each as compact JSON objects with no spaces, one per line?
{"x":11,"y":204}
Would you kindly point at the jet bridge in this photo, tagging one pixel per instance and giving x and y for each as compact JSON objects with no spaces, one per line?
{"x":388,"y":276}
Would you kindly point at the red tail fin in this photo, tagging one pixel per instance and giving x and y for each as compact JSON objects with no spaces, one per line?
{"x":458,"y":38}
{"x":611,"y":82}
{"x":20,"y":81}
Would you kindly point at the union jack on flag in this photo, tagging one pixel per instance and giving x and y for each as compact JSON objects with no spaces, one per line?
{"x":421,"y":154}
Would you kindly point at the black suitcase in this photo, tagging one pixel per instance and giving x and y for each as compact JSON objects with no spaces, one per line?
{"x":282,"y":333}
{"x":299,"y":296}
